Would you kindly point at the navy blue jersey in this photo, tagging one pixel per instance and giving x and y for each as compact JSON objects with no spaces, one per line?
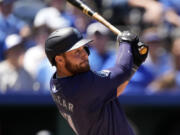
{"x":88,"y":101}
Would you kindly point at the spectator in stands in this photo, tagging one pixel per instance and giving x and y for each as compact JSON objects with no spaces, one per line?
{"x":37,"y":64}
{"x":10,"y":24}
{"x":13,"y":77}
{"x":172,"y":11}
{"x":53,"y":15}
{"x":169,"y":81}
{"x":101,"y":56}
{"x":159,"y":59}
{"x":153,"y":10}
{"x":31,"y":62}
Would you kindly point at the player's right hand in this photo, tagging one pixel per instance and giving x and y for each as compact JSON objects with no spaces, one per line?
{"x":133,"y":39}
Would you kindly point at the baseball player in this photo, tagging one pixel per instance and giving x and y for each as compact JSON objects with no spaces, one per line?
{"x":89,"y":100}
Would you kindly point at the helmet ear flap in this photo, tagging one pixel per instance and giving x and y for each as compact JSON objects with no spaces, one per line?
{"x":86,"y":48}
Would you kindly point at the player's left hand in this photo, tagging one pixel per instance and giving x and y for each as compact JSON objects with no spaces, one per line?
{"x":137,"y":45}
{"x":127,"y":36}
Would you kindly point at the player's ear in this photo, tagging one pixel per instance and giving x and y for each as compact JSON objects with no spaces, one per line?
{"x":59,"y":60}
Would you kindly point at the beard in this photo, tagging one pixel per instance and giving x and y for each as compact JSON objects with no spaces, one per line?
{"x":76,"y":69}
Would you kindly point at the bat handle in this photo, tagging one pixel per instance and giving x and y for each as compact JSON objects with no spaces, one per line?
{"x":106,"y":23}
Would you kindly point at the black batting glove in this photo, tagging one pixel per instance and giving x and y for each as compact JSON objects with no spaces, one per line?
{"x":138,"y":57}
{"x":129,"y":37}
{"x":133,"y":39}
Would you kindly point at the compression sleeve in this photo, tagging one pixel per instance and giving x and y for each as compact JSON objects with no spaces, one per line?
{"x":123,"y":67}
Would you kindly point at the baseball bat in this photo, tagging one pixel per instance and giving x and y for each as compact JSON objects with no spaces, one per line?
{"x":88,"y":11}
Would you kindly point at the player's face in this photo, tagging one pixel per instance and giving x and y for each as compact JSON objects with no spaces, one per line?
{"x":76,"y":61}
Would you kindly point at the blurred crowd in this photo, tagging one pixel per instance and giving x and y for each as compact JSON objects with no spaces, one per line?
{"x":25,"y":25}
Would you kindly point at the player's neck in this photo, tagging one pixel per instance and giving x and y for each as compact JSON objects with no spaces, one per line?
{"x":63,"y":73}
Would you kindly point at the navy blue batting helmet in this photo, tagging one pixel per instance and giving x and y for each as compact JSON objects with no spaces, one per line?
{"x":63,"y":40}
